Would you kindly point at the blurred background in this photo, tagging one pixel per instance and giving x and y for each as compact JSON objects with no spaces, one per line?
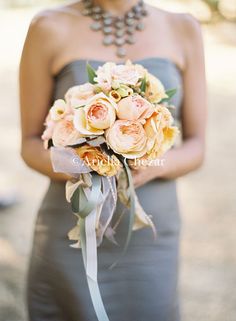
{"x":207,"y":197}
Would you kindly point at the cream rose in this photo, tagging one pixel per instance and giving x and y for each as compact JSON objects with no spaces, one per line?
{"x":155,"y":90}
{"x":65,"y":134}
{"x":111,"y":76}
{"x":58,"y":110}
{"x":98,"y":114}
{"x":104,"y":76}
{"x":134,"y":107}
{"x":125,"y":74}
{"x":127,"y":138}
{"x":78,"y":95}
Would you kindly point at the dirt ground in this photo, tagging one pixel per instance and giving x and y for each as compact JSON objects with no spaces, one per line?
{"x":207,"y":197}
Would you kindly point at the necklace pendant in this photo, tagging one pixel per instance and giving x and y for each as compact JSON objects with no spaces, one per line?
{"x":121,"y":52}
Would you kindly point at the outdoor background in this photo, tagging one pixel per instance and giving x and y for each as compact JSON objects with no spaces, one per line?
{"x":207,"y":197}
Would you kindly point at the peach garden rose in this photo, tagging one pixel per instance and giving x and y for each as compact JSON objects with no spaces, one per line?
{"x":134,"y":107}
{"x":98,"y":160}
{"x":128,"y":138}
{"x":98,"y":114}
{"x":65,"y":134}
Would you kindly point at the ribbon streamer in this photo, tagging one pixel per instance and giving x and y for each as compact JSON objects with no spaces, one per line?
{"x":89,"y":246}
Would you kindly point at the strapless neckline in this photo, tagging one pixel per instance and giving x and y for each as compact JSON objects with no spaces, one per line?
{"x":96,"y":61}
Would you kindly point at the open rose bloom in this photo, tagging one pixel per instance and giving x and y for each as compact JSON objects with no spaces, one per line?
{"x":95,"y":131}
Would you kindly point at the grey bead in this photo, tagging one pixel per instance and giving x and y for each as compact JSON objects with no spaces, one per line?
{"x":119,"y":24}
{"x":88,"y":4}
{"x":130,"y":30}
{"x":119,"y":32}
{"x":108,"y":40}
{"x":140,"y":26}
{"x":121,"y":52}
{"x":129,"y":21}
{"x":96,"y":26}
{"x":86,"y":12}
{"x":144,"y":12}
{"x":119,"y":18}
{"x":97,"y":9}
{"x":130,"y":40}
{"x":107,"y":21}
{"x":119,"y":41}
{"x":138,"y":16}
{"x":137,"y":9}
{"x":130,"y":14}
{"x":107,"y":30}
{"x":97,"y":16}
{"x":106,"y":15}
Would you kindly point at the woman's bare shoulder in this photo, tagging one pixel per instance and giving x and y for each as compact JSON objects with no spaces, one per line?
{"x":55,"y":19}
{"x":184,"y":24}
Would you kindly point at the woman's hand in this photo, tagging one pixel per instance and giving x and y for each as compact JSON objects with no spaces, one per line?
{"x":142,"y":175}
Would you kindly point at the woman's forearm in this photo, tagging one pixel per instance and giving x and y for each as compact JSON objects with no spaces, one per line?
{"x":182,"y":160}
{"x":36,"y":157}
{"x":176,"y":162}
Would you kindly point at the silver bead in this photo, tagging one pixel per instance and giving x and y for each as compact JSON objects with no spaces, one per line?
{"x":106,"y":15}
{"x":119,"y":32}
{"x":129,"y":21}
{"x":88,"y":4}
{"x":121,"y":52}
{"x":96,"y":26}
{"x":107,"y":30}
{"x":140,"y":26}
{"x":130,"y":14}
{"x":108,"y":40}
{"x":119,"y":41}
{"x":144,"y":12}
{"x":130,"y":40}
{"x":119,"y":19}
{"x":138,"y":16}
{"x":97,"y":16}
{"x":107,"y":21}
{"x":137,"y":9}
{"x":97,"y":9}
{"x":86,"y":12}
{"x":130,"y":30}
{"x":119,"y":24}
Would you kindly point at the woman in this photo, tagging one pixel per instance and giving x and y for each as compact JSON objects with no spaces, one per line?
{"x":144,"y":285}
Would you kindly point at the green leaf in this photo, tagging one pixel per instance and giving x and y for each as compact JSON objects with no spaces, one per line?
{"x":143,"y":84}
{"x":91,"y":73}
{"x":170,"y":93}
{"x":75,"y":200}
{"x":81,"y":106}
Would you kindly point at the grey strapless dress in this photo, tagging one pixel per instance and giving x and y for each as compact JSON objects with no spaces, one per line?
{"x":144,"y":284}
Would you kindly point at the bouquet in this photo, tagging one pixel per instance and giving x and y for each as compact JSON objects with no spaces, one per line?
{"x":120,"y":117}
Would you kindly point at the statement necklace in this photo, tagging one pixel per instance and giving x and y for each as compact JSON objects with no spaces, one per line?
{"x":117,"y":30}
